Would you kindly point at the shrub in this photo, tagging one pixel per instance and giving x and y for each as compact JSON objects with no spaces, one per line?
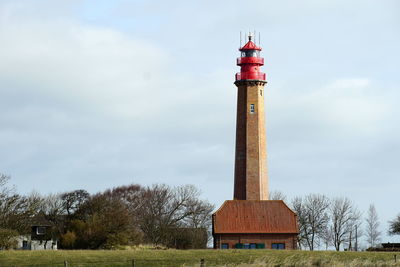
{"x":8,"y":239}
{"x":68,"y":240}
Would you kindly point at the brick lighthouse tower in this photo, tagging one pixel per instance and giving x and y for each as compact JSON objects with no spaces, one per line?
{"x":250,"y":220}
{"x":251,"y":181}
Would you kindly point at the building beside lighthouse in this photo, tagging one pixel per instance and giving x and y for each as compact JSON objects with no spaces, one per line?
{"x":250,"y":220}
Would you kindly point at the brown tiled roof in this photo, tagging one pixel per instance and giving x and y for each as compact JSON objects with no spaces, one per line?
{"x":254,"y":216}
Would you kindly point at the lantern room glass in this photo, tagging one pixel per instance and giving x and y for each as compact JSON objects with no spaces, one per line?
{"x":251,"y":53}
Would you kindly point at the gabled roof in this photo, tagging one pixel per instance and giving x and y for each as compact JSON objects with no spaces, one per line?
{"x":40,"y":220}
{"x":250,"y":46}
{"x":255,"y":216}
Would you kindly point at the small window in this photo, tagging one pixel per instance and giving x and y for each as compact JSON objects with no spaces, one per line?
{"x":278,"y":245}
{"x":251,"y":108}
{"x":40,"y":230}
{"x":260,"y":92}
{"x":224,"y":246}
{"x":260,"y":245}
{"x":239,"y":245}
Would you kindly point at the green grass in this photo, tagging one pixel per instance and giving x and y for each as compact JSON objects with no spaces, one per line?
{"x":144,"y":258}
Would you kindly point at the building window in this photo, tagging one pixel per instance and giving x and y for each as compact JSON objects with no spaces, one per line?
{"x":40,"y":230}
{"x":260,"y":92}
{"x":278,"y":245}
{"x":224,"y":246}
{"x":260,"y":245}
{"x":239,"y":245}
{"x":251,"y":108}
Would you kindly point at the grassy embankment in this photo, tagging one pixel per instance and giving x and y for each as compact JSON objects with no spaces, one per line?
{"x":192,"y":258}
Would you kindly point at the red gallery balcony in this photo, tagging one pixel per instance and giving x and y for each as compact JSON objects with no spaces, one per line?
{"x":250,"y":60}
{"x":250,"y":76}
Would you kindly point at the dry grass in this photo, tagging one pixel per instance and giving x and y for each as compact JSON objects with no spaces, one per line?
{"x":224,"y":258}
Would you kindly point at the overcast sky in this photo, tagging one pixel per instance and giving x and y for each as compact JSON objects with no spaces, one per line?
{"x":96,"y":94}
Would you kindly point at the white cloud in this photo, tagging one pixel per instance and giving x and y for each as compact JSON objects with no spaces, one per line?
{"x":94,"y":97}
{"x":86,"y":103}
{"x":350,"y":107}
{"x":80,"y":64}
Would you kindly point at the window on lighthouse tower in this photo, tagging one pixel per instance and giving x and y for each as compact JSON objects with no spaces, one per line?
{"x":251,"y":108}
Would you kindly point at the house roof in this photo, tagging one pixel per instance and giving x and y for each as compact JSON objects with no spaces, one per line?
{"x":40,"y":220}
{"x":255,"y":216}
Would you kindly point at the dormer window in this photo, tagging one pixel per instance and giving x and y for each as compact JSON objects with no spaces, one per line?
{"x":40,"y":230}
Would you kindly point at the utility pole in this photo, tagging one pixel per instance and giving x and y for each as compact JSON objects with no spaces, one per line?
{"x":356,"y":245}
{"x":350,"y":248}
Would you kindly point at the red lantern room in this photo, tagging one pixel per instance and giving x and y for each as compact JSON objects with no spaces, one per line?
{"x":250,"y":62}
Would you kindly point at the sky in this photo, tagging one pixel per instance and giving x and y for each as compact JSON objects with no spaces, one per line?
{"x":97,"y":94}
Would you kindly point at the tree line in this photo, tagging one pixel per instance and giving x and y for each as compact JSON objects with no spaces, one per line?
{"x":126,"y":215}
{"x":166,"y":216}
{"x":336,"y":222}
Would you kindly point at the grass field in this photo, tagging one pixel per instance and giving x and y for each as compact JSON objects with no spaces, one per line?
{"x":144,"y":258}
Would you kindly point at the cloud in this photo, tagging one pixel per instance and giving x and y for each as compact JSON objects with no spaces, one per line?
{"x":348,"y":107}
{"x":98,"y":94}
{"x":93,"y":107}
{"x":78,"y":63}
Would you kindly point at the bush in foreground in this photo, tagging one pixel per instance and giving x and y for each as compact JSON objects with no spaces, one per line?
{"x":8,"y":239}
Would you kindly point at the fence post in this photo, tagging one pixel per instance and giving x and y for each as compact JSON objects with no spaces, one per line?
{"x":202,"y":263}
{"x":395,"y":258}
{"x":133,"y":262}
{"x":65,"y":263}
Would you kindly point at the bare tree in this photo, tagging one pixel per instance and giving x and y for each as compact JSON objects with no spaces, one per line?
{"x":344,"y":216}
{"x":16,"y":211}
{"x":326,"y":237}
{"x":73,"y":200}
{"x":199,"y":214}
{"x":394,"y":226}
{"x":277,"y":195}
{"x":316,"y":207}
{"x":298,"y":207}
{"x":353,"y":238}
{"x":312,"y":214}
{"x":53,"y":207}
{"x":162,"y":209}
{"x":372,"y":228}
{"x":4,"y":189}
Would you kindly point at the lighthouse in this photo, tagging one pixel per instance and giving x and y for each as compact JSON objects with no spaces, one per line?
{"x":251,"y":180}
{"x":250,"y":220}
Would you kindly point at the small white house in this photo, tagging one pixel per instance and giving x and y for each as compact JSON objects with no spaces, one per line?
{"x":39,"y":239}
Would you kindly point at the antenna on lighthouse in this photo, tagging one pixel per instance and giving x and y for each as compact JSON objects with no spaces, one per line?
{"x":250,"y":35}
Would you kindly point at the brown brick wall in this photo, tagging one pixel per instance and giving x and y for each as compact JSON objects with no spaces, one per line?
{"x":240,"y":150}
{"x":251,"y":181}
{"x":232,"y":239}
